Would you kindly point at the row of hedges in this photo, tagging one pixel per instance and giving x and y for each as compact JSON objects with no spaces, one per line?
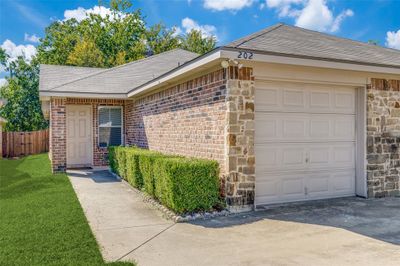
{"x":182,"y":184}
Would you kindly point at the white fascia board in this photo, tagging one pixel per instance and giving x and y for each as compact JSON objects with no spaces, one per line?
{"x":184,"y":69}
{"x":259,"y":57}
{"x":43,"y":94}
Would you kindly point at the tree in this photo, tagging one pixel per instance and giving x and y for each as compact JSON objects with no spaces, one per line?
{"x":117,"y":38}
{"x":195,"y":42}
{"x":22,"y":109}
{"x":86,"y":53}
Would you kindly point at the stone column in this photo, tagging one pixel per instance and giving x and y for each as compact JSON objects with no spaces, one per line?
{"x":239,"y":132}
{"x":383,"y":138}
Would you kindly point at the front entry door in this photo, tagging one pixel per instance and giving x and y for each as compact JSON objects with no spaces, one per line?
{"x":79,"y":135}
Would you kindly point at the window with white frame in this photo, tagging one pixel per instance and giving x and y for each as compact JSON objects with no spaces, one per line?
{"x":110,"y":126}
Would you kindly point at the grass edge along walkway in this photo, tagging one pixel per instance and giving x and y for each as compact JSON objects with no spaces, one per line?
{"x":41,"y":219}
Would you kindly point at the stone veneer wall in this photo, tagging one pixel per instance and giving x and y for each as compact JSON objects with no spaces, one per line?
{"x":383,"y":138}
{"x":240,"y":181}
{"x":58,"y":131}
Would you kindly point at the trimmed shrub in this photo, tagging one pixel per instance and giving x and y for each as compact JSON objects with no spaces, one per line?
{"x":182,"y":184}
{"x":111,"y":159}
{"x":186,"y":185}
{"x":133,"y":173}
{"x":146,"y":166}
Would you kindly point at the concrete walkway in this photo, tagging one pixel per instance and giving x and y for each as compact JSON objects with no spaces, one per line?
{"x":335,"y":232}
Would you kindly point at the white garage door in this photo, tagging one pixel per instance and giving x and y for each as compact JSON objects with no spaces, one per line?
{"x":304,"y":142}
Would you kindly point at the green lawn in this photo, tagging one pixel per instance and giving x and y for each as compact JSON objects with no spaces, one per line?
{"x":41,"y":220}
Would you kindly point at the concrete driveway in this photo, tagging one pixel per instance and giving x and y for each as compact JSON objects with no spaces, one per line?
{"x":348,"y":231}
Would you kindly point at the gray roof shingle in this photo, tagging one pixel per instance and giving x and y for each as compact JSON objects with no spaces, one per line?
{"x":288,"y":40}
{"x":53,"y":76}
{"x":116,"y":80}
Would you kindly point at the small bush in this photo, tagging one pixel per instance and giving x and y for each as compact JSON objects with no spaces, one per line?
{"x":186,"y":185}
{"x":133,"y":173}
{"x":182,"y":184}
{"x":147,"y":162}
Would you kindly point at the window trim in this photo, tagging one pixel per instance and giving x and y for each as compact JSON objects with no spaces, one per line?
{"x":121,"y":126}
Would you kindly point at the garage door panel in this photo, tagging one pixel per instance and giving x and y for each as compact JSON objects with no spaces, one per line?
{"x":344,"y":181}
{"x":304,"y":156}
{"x":279,"y":187}
{"x":309,"y":98}
{"x":284,"y":127}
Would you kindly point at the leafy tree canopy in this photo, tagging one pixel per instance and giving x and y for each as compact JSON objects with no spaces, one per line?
{"x":117,"y":38}
{"x":22,"y":110}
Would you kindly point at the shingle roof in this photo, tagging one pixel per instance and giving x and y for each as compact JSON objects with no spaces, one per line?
{"x":288,"y":40}
{"x":52,"y":76}
{"x":114,"y":80}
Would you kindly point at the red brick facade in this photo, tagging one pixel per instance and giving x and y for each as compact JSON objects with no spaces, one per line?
{"x":186,"y":119}
{"x":58,"y":131}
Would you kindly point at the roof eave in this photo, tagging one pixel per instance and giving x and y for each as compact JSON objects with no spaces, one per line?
{"x":270,"y":57}
{"x":194,"y":64}
{"x":69,"y":94}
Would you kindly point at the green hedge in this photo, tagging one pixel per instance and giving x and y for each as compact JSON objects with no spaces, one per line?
{"x":182,"y":184}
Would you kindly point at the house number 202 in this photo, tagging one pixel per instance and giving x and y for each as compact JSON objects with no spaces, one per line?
{"x":245,"y":55}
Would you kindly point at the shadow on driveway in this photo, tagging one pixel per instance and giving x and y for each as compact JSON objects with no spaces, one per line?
{"x":375,"y":218}
{"x":98,"y":176}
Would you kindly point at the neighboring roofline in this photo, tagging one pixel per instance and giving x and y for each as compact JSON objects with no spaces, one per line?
{"x":103,"y":70}
{"x":67,"y":66}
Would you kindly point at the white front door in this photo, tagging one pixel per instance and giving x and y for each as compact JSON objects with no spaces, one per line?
{"x":79,"y":135}
{"x":305,"y":142}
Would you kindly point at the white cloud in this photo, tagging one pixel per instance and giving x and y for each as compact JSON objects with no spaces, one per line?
{"x":393,"y":39}
{"x":232,"y":5}
{"x":189,"y":24}
{"x":284,"y":7}
{"x":14,"y":50}
{"x":31,"y":38}
{"x":310,"y":14}
{"x":81,"y":13}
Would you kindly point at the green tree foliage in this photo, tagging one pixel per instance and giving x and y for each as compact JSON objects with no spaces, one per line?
{"x":195,"y":42}
{"x":22,"y":110}
{"x":115,"y":39}
{"x":109,"y":37}
{"x":86,"y":53}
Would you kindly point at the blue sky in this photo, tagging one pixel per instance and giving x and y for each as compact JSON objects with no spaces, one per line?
{"x":23,"y":21}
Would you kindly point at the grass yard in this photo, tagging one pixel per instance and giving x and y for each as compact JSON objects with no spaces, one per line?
{"x":41,"y":220}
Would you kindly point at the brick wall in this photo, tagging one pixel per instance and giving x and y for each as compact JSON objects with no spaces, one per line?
{"x":58,"y":130}
{"x":186,"y":119}
{"x":57,"y":142}
{"x":383,"y":138}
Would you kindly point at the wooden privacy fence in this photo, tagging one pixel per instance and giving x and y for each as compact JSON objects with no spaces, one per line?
{"x":16,"y":144}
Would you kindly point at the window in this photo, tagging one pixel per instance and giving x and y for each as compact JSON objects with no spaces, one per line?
{"x":110,"y":126}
